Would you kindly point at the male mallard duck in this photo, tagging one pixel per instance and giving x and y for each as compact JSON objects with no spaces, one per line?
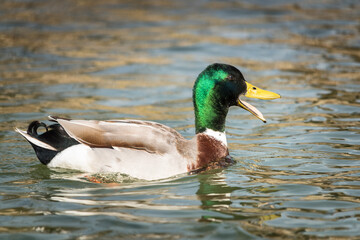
{"x":148,"y":150}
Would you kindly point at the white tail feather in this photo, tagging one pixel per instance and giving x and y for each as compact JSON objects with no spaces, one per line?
{"x":34,"y":140}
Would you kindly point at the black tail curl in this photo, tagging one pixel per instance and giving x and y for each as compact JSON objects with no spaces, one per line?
{"x":33,"y":127}
{"x":55,"y":136}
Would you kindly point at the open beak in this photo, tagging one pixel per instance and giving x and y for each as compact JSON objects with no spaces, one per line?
{"x":255,"y":92}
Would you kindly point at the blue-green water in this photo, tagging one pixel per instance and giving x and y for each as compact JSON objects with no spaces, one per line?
{"x":296,"y":177}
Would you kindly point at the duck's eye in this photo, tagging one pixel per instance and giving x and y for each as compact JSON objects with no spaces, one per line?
{"x":254,"y":88}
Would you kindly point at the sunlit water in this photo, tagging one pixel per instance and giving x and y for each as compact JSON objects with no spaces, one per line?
{"x":296,"y":176}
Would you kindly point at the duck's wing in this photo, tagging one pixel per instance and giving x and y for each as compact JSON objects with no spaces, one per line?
{"x":143,"y":135}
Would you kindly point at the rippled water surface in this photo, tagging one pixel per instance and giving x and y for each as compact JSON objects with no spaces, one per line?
{"x":296,"y":176}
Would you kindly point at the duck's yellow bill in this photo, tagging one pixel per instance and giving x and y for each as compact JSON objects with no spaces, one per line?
{"x":255,"y":92}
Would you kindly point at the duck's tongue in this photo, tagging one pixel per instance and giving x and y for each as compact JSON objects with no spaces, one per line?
{"x":251,"y":108}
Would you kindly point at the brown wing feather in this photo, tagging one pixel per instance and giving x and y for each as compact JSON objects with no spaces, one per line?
{"x":150,"y":136}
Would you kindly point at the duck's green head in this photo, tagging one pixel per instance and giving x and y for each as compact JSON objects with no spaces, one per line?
{"x":219,"y":87}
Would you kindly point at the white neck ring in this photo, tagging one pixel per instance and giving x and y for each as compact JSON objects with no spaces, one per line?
{"x":220,"y":136}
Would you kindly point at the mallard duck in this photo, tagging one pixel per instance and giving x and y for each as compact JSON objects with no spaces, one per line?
{"x":149,"y":150}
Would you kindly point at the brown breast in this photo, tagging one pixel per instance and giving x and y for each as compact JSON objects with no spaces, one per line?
{"x":210,"y":150}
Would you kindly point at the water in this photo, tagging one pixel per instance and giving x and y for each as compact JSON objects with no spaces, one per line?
{"x":296,"y":176}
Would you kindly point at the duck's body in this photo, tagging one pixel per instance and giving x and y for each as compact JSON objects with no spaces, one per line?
{"x":143,"y":149}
